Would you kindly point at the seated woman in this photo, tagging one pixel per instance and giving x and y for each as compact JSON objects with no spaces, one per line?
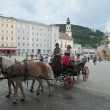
{"x":77,"y":60}
{"x":67,"y":56}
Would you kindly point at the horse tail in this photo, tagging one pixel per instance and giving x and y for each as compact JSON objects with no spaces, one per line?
{"x":51,"y":75}
{"x":50,"y":72}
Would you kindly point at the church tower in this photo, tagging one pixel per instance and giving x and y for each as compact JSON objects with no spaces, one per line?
{"x":68,"y":27}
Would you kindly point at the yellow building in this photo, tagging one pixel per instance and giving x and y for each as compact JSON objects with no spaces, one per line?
{"x":66,"y":38}
{"x":8,"y":39}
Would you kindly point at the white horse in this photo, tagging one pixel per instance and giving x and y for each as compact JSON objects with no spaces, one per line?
{"x":36,"y":70}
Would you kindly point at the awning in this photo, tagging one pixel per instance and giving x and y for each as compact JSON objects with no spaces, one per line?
{"x":8,"y":48}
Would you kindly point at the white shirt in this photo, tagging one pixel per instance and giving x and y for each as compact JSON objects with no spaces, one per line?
{"x":69,"y":51}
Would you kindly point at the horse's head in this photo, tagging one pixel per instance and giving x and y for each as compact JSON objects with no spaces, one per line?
{"x":6,"y":62}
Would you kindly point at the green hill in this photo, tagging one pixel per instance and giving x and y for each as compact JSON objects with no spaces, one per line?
{"x":83,"y":35}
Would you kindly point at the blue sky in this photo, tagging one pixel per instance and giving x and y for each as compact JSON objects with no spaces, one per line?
{"x":94,"y":14}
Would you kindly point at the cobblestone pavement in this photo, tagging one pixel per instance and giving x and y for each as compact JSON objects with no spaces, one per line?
{"x":93,"y":94}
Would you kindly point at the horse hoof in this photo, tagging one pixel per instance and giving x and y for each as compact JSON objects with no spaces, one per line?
{"x":22,"y":100}
{"x":31,"y":90}
{"x":42,"y":90}
{"x":38,"y":93}
{"x":50,"y":95}
{"x":8,"y":95}
{"x":14,"y":102}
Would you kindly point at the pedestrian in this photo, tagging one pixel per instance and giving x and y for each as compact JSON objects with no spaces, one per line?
{"x":99,"y":59}
{"x":88,"y":58}
{"x":94,"y":60}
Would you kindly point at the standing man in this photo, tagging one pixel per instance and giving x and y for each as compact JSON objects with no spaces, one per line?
{"x":57,"y":53}
{"x":94,"y":60}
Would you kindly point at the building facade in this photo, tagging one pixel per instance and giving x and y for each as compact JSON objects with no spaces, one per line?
{"x":77,"y":48}
{"x":88,"y":51}
{"x":33,"y":37}
{"x":8,"y":40}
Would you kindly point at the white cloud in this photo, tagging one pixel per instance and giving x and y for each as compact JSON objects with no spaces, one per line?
{"x":89,"y":13}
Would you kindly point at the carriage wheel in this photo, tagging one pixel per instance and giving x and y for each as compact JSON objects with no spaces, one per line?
{"x":69,"y":81}
{"x":85,"y":73}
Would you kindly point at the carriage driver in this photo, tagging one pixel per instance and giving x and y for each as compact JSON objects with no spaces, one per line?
{"x":57,"y":53}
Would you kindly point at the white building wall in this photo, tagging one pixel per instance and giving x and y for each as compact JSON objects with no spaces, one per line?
{"x":33,"y":36}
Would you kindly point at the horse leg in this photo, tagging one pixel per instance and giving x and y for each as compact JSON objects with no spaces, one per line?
{"x":12,"y":82}
{"x":22,"y":91}
{"x":49,"y":85}
{"x":16,"y":91}
{"x":32,"y":86}
{"x":9,"y":87}
{"x":40,"y":85}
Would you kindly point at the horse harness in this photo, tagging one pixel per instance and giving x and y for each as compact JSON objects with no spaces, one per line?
{"x":25,"y":74}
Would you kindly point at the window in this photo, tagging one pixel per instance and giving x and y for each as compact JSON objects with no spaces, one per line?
{"x":41,"y":45}
{"x":7,"y":31}
{"x":23,"y":32}
{"x":61,"y":46}
{"x":27,"y":44}
{"x":32,"y":44}
{"x":32,"y":27}
{"x":44,"y":40}
{"x":6,"y":25}
{"x":2,"y":31}
{"x":18,"y":38}
{"x":23,"y":26}
{"x":2,"y":25}
{"x":11,"y":38}
{"x":2,"y":38}
{"x":27,"y":38}
{"x":11,"y":32}
{"x":32,"y":33}
{"x":37,"y":33}
{"x":37,"y":39}
{"x":11,"y":26}
{"x":2,"y":44}
{"x":12,"y":44}
{"x":23,"y":38}
{"x":6,"y":38}
{"x":28,"y":32}
{"x":6,"y":44}
{"x":18,"y":44}
{"x":32,"y":39}
{"x":18,"y":31}
{"x":36,"y":44}
{"x":23,"y":44}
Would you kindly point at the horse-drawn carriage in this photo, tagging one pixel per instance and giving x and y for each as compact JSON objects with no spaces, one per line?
{"x":67,"y":73}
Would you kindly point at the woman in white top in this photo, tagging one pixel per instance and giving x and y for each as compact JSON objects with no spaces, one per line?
{"x":67,"y":55}
{"x":77,"y":60}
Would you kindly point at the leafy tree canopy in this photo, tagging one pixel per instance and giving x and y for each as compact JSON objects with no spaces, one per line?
{"x":83,"y":35}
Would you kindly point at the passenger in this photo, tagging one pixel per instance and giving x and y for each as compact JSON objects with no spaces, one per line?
{"x":67,"y":56}
{"x":56,"y":53}
{"x":40,"y":57}
{"x":77,"y":60}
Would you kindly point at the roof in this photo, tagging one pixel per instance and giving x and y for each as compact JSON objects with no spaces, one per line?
{"x":65,"y":36}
